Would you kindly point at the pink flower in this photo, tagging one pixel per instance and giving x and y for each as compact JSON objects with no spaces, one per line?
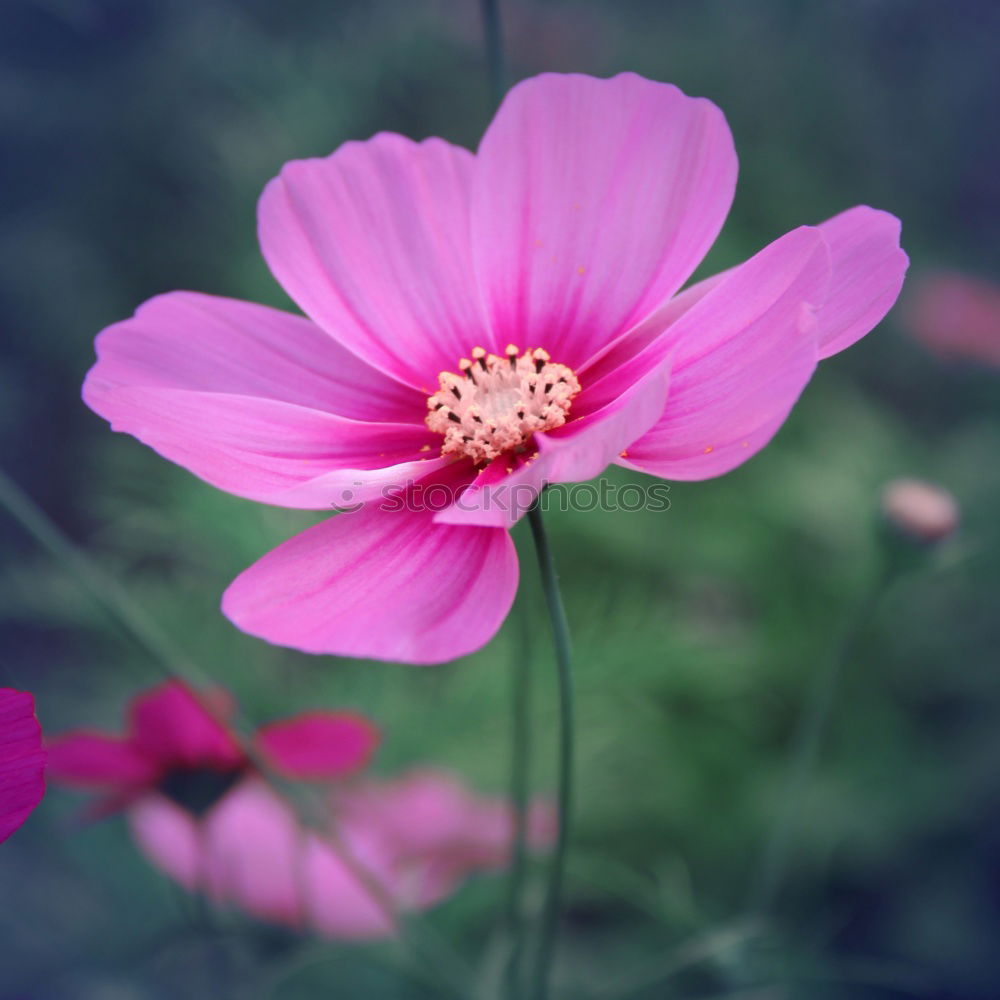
{"x":414,"y":839}
{"x":178,"y":749}
{"x":22,"y":760}
{"x":482,"y":325}
{"x":955,"y":316}
{"x":202,"y":814}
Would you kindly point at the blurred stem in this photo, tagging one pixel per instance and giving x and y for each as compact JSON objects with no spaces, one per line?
{"x":493,"y":39}
{"x":560,"y":634}
{"x":808,"y":739}
{"x":519,"y":781}
{"x":101,"y":584}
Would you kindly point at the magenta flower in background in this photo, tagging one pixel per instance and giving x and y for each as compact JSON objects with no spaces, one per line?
{"x":483,"y":325}
{"x":179,"y":753}
{"x":201,"y":813}
{"x":22,"y":760}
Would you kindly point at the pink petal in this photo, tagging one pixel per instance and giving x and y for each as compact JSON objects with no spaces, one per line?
{"x":382,"y":584}
{"x":203,"y":343}
{"x":593,"y":202}
{"x":272,"y":451}
{"x":373,"y":243}
{"x":401,"y":834}
{"x":418,"y":813}
{"x":315,"y":745}
{"x":253,"y":853}
{"x":22,"y":760}
{"x":173,"y":725}
{"x":170,"y":838}
{"x":437,"y":829}
{"x":633,"y":341}
{"x":96,"y":760}
{"x":341,"y":902}
{"x":741,"y":357}
{"x":573,"y":453}
{"x":868,"y":270}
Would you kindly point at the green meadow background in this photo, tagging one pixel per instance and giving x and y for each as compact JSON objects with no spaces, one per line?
{"x":136,"y":138}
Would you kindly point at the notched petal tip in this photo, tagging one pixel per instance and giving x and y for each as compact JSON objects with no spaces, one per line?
{"x":868,"y":268}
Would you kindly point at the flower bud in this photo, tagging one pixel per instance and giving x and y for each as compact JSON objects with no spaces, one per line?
{"x":920,"y":510}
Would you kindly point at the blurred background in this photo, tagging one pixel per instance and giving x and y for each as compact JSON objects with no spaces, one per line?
{"x":136,"y":139}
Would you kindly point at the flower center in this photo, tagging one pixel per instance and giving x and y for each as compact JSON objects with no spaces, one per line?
{"x":197,"y":789}
{"x":497,"y":404}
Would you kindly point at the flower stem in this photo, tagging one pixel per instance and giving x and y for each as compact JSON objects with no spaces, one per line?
{"x":560,"y":634}
{"x":493,"y":38}
{"x":519,"y":781}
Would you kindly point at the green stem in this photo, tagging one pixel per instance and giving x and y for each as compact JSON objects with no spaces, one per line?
{"x":560,"y":634}
{"x":519,"y":784}
{"x":493,"y":38}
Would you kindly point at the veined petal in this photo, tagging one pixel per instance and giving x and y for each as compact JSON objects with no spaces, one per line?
{"x":868,"y":270}
{"x":741,"y":357}
{"x":380,"y":583}
{"x":204,"y":343}
{"x":373,"y":243}
{"x":573,"y":453}
{"x":594,"y":200}
{"x":315,"y":745}
{"x":22,"y":760}
{"x":636,"y":339}
{"x":270,"y":451}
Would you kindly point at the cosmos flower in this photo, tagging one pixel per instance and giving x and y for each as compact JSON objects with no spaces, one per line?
{"x":481,"y":325}
{"x":201,"y":813}
{"x":178,"y":749}
{"x":22,"y":760}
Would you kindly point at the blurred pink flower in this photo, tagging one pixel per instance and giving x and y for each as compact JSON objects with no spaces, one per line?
{"x":417,"y":838}
{"x":22,"y":760}
{"x":179,"y":747}
{"x":483,"y":325}
{"x":201,"y":813}
{"x":955,"y":316}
